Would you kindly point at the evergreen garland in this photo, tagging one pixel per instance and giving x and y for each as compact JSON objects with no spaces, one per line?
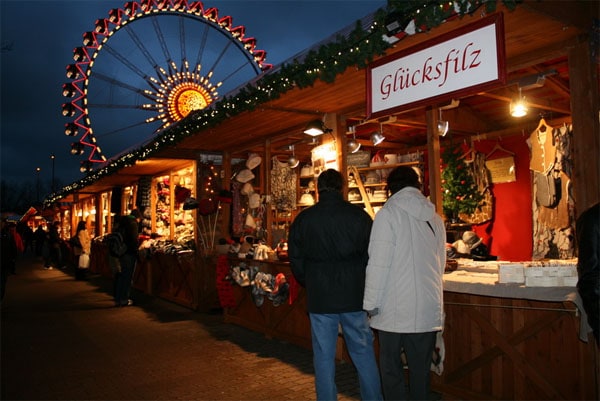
{"x":459,"y":190}
{"x":331,"y":59}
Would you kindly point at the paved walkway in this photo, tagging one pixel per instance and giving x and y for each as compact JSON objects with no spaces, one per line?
{"x":63,"y":339}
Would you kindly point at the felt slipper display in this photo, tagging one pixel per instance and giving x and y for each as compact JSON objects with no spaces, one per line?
{"x":275,"y":288}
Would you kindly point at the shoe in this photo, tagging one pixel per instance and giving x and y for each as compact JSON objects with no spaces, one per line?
{"x":129,"y":302}
{"x":48,"y":267}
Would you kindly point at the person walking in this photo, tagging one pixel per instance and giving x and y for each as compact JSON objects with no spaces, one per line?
{"x":327,"y":248}
{"x":8,"y":255}
{"x":18,"y":240}
{"x":83,"y":251}
{"x":39,"y":237}
{"x":54,"y":242}
{"x":404,"y":288}
{"x":128,"y":227}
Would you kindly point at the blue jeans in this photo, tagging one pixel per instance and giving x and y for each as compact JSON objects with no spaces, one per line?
{"x":124,"y":278}
{"x":359,"y":340}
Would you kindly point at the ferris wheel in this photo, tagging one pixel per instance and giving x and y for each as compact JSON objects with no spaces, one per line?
{"x":147,"y":66}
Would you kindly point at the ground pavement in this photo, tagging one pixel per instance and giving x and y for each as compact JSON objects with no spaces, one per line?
{"x":63,"y":339}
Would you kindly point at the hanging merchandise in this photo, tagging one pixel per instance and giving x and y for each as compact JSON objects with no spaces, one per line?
{"x":244,"y":176}
{"x":247,"y":189}
{"x":254,"y":200}
{"x":283,"y":186}
{"x":553,"y":205}
{"x":481,"y":176}
{"x":253,"y":161}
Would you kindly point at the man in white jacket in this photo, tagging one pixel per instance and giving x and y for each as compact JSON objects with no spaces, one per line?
{"x":404,"y":288}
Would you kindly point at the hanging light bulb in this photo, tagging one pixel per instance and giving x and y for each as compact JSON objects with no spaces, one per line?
{"x":518,"y":107}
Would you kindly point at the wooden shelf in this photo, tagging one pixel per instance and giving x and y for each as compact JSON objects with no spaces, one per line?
{"x":386,"y":166}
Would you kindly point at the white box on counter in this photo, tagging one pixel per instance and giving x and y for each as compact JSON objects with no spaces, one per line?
{"x":551,"y":268}
{"x":511,"y":273}
{"x":547,"y":281}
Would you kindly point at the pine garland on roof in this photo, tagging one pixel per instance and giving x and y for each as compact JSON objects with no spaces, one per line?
{"x":325,"y":64}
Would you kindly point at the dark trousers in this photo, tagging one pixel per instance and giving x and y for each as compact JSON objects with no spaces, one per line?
{"x":124,"y":278}
{"x":3,"y":279}
{"x":418,"y":349}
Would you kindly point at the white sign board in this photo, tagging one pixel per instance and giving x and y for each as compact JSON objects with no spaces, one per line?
{"x":470,"y":58}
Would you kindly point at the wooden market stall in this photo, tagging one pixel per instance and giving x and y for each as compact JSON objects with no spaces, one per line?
{"x":501,"y":341}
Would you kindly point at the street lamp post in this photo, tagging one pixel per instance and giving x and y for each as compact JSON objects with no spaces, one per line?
{"x":37,"y":185}
{"x":52,"y":157}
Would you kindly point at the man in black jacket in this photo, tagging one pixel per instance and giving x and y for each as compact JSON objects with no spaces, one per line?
{"x":328,"y":250}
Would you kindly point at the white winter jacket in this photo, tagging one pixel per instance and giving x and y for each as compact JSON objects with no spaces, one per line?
{"x":406,"y":264}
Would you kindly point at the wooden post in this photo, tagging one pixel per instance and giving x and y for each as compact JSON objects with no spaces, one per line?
{"x":433,"y":164}
{"x":586,"y":128}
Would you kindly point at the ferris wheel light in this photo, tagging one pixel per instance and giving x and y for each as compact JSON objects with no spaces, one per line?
{"x":114,"y":15}
{"x":72,"y":71}
{"x":212,"y":14}
{"x":101,"y":25}
{"x":238,"y":32}
{"x":86,"y":166}
{"x":89,"y":39}
{"x":249,"y":43}
{"x":71,"y":129}
{"x":77,"y":148}
{"x":79,"y":54}
{"x":68,"y":109}
{"x":68,"y":89}
{"x":226,"y":22}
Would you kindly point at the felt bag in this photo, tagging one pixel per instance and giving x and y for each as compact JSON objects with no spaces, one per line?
{"x":547,"y":191}
{"x":84,"y":261}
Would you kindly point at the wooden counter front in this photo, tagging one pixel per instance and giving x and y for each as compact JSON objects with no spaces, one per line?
{"x":187,"y":278}
{"x":515,"y":342}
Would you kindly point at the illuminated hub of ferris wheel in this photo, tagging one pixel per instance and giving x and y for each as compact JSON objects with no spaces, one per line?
{"x":179,"y":93}
{"x":172,"y":94}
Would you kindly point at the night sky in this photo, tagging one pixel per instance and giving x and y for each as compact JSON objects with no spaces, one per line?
{"x":38,"y":38}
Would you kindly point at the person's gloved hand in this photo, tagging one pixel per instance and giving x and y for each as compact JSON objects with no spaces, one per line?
{"x":373,"y":312}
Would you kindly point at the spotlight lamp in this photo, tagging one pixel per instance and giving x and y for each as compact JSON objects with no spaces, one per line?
{"x":442,"y":125}
{"x":293,"y":162}
{"x":353,"y":145}
{"x":377,"y":138}
{"x":518,"y":107}
{"x":316,"y":128}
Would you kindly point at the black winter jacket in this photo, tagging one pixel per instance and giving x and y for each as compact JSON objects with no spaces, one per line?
{"x":328,"y":250}
{"x":128,"y":227}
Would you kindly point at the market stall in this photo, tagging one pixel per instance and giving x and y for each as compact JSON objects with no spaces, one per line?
{"x":495,"y":333}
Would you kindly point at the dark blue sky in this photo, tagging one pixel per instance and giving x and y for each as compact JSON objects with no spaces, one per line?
{"x":38,"y":38}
